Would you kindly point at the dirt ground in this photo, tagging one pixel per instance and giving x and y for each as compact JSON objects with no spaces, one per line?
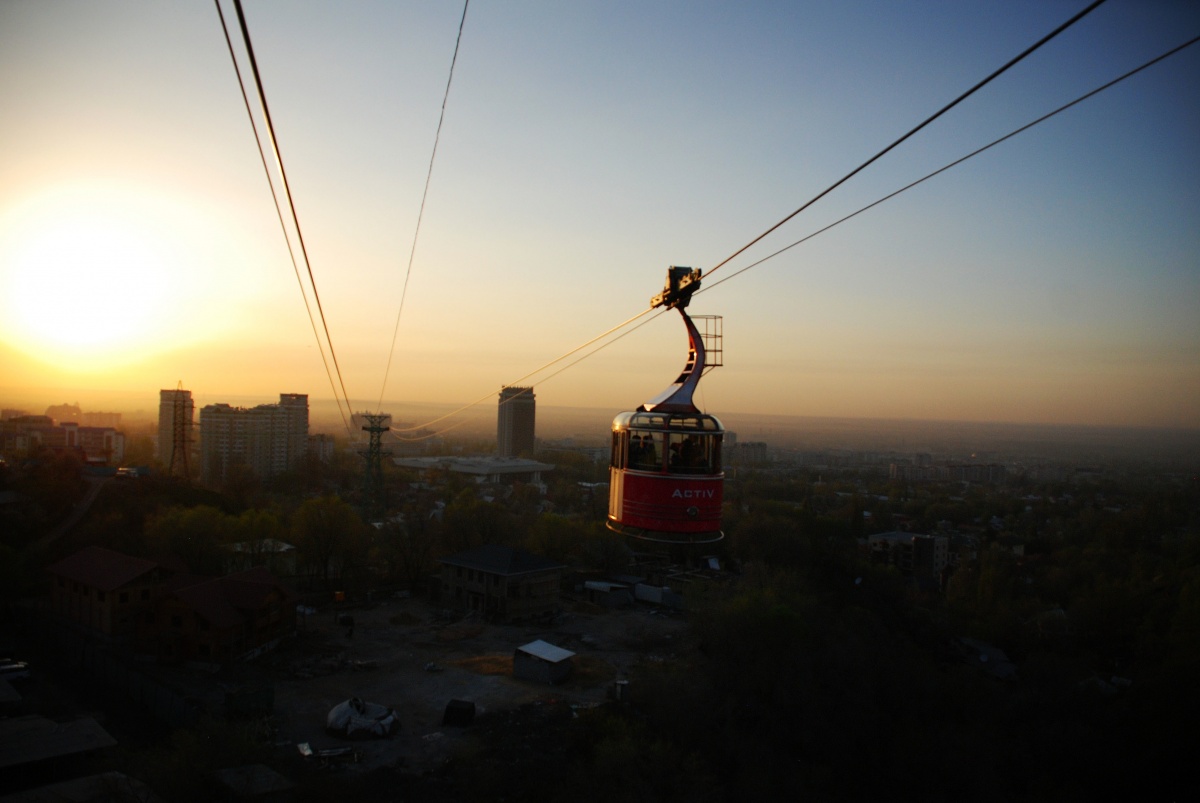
{"x":414,"y":657}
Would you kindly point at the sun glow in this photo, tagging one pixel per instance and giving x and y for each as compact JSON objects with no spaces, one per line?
{"x":89,"y":278}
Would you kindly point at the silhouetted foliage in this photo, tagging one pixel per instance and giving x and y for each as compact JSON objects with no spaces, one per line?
{"x":332,"y":540}
{"x":197,"y":535}
{"x":471,"y":522}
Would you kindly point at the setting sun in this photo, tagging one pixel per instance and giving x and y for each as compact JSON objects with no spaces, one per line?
{"x":89,"y":276}
{"x":105,"y":276}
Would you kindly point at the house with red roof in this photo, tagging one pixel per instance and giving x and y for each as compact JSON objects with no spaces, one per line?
{"x":158,"y":606}
{"x":218,"y":619}
{"x":105,"y":591}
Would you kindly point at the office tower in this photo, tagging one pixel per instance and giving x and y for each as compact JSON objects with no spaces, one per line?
{"x":176,"y":413}
{"x":515,"y":422}
{"x":268,"y":439}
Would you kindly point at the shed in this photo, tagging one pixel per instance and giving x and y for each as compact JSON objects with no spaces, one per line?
{"x":542,"y":662}
{"x":610,"y":595}
{"x":657,"y":595}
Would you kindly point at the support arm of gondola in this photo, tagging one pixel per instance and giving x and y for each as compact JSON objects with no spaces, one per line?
{"x":681,"y":283}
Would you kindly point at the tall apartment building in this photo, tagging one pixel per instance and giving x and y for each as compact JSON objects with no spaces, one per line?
{"x":515,"y":422}
{"x":176,"y":417}
{"x":268,"y":439}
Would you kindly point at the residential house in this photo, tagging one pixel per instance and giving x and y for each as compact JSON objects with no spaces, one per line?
{"x":502,"y":582}
{"x":158,"y":607}
{"x":104,"y":591}
{"x":218,"y":619}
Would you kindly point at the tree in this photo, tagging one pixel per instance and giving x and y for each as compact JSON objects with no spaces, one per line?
{"x":405,"y":549}
{"x":471,"y":522}
{"x":556,"y":537}
{"x":329,"y":535}
{"x":604,"y":549}
{"x":197,"y":535}
{"x":256,"y":530}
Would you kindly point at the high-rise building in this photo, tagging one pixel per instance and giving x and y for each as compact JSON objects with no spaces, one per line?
{"x":295,"y":422}
{"x":176,"y":416}
{"x":515,"y":422}
{"x":268,"y":439}
{"x":62,"y":413}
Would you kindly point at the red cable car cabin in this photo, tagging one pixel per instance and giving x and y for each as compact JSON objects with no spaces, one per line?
{"x":666,"y":483}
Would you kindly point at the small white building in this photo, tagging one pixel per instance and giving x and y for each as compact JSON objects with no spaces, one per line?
{"x":278,"y":556}
{"x":542,"y":662}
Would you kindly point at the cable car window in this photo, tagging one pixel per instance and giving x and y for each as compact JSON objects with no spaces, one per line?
{"x":694,"y":454}
{"x":645,"y":450}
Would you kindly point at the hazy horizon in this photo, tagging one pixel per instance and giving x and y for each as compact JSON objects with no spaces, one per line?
{"x":589,"y":426}
{"x":36,"y":402}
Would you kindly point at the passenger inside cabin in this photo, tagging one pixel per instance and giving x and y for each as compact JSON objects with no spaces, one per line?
{"x":688,"y":455}
{"x":642,"y":453}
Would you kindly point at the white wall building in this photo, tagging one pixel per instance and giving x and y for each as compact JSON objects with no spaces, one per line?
{"x":268,"y":439}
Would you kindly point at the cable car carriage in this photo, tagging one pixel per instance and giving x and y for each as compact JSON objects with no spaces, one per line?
{"x":666,"y":483}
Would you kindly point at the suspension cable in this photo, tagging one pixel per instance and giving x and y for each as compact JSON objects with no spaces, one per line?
{"x":927,"y":121}
{"x":958,"y":161}
{"x":262,"y":99}
{"x":534,"y":372}
{"x":421,"y":212}
{"x":279,"y":212}
{"x":543,"y":380}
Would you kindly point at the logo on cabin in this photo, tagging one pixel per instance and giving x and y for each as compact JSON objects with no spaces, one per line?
{"x":693,"y":494}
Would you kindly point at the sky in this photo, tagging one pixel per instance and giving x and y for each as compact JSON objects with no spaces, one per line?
{"x":586,"y":147}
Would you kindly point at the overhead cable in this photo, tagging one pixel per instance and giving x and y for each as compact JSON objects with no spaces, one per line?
{"x":927,"y":121}
{"x":421,"y":213}
{"x":279,"y":212}
{"x":534,"y":372}
{"x":262,"y":99}
{"x":957,"y":162}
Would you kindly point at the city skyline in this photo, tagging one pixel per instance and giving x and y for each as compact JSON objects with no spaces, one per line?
{"x":1053,"y":279}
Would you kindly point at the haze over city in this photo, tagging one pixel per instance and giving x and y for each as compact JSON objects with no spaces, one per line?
{"x":586,"y":147}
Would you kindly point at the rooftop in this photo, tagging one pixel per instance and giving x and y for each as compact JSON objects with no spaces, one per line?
{"x":546,"y":651}
{"x":503,"y":560}
{"x":103,"y":569}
